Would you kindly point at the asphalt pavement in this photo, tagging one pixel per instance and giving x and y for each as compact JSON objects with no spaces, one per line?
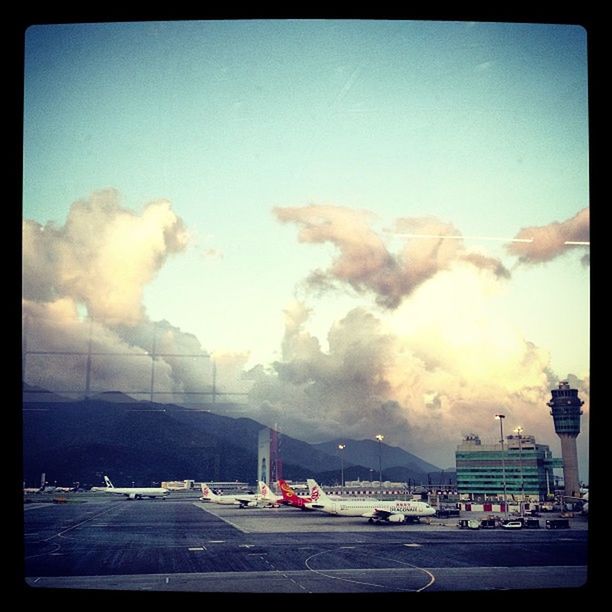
{"x":183,"y":545}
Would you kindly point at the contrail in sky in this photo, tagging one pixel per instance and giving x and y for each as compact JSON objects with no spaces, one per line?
{"x":496,"y":238}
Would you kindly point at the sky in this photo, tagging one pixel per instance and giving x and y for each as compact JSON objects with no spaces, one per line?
{"x":365,"y":222}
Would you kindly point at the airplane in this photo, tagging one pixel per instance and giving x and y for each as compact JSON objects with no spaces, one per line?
{"x":244,"y":500}
{"x":266,"y":497}
{"x":291,"y":498}
{"x":394,"y":511}
{"x":132,"y":492}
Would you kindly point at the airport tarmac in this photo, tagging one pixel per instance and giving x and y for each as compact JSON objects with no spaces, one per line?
{"x":182,"y":544}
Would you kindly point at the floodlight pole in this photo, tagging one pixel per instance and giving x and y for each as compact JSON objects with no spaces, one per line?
{"x":501,"y":418}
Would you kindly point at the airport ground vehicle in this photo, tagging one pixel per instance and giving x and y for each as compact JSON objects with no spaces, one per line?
{"x":561,"y":523}
{"x":468,"y":524}
{"x":447,"y":512}
{"x":513,"y":525}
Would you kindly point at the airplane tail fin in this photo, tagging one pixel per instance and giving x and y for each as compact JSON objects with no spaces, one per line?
{"x":287,"y":492}
{"x":207,"y":492}
{"x":264,"y":490}
{"x":266,"y":493}
{"x":109,"y":484}
{"x":317,"y":494}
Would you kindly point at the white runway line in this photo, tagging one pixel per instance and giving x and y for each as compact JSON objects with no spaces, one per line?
{"x":432,"y":578}
{"x":231,"y":523}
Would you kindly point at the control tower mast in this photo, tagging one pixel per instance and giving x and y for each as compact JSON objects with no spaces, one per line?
{"x":565,"y":410}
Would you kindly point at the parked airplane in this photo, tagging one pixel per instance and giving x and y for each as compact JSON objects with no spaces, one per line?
{"x":244,"y":500}
{"x":132,"y":492}
{"x":394,"y":511}
{"x":266,"y":497}
{"x":291,"y":498}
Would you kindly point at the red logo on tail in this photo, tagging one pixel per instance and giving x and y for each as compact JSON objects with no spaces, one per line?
{"x":286,"y":489}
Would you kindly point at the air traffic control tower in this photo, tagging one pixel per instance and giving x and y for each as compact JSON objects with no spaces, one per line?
{"x":565,"y":410}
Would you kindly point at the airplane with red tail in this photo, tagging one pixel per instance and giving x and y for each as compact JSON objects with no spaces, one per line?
{"x":291,"y":498}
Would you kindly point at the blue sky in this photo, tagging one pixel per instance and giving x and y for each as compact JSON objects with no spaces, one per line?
{"x":480,"y":125}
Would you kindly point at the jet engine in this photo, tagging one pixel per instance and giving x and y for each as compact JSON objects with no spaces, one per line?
{"x":397,"y":518}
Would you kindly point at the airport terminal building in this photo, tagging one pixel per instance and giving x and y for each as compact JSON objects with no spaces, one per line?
{"x":520,"y":469}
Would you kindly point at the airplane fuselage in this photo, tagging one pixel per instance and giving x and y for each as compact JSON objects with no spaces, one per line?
{"x":143,"y":491}
{"x":135,"y":493}
{"x":360,"y":508}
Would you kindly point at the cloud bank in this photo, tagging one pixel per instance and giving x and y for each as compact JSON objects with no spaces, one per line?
{"x":431,"y":372}
{"x":364,"y":261}
{"x":102,"y":257}
{"x":434,"y":363}
{"x":83,"y":286}
{"x":552,"y":240}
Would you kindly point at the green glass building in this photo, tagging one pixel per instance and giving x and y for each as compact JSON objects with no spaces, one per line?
{"x":522,"y":470}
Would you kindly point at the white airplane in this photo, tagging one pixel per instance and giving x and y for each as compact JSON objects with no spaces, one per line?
{"x":132,"y":492}
{"x":266,"y":497}
{"x":395,"y":511}
{"x":244,"y":500}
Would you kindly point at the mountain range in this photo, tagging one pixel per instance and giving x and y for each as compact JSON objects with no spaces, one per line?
{"x":143,"y":442}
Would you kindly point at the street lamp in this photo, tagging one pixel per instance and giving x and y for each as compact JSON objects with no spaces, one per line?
{"x":341,"y":447}
{"x":380,"y":438}
{"x":500,"y":418}
{"x":519,"y":431}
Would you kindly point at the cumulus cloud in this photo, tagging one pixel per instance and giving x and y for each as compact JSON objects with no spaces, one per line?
{"x":550,"y":241}
{"x":424,"y":375}
{"x":58,"y":341}
{"x":102,"y":257}
{"x":83,"y":287}
{"x":364,"y":261}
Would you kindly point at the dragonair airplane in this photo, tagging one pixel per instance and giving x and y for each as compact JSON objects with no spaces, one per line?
{"x":244,"y":500}
{"x":132,"y":492}
{"x":395,"y":511}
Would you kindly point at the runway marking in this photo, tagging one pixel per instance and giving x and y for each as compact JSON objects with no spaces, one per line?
{"x":230,"y":523}
{"x":283,"y":573}
{"x":380,"y":586}
{"x":87,"y":520}
{"x":216,"y":541}
{"x":413,"y":545}
{"x":196,"y":548}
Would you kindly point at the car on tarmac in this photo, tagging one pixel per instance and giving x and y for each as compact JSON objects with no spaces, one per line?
{"x":513,"y":525}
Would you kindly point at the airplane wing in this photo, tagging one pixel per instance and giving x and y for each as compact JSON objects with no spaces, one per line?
{"x":379,"y":514}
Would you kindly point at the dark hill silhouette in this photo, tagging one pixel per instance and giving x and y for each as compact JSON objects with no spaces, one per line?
{"x":145,"y":443}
